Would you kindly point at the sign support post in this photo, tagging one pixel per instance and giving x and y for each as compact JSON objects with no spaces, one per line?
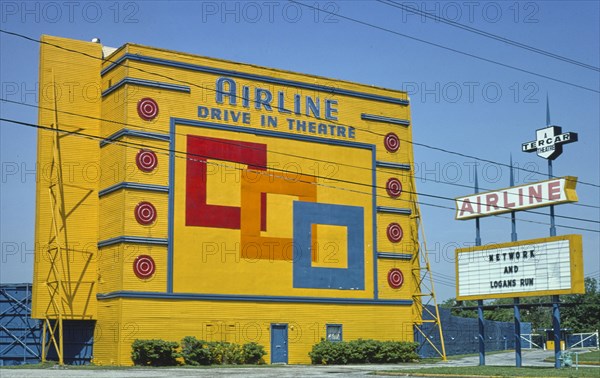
{"x":556,"y":326}
{"x":481,"y":332}
{"x":552,"y":224}
{"x":518,"y":360}
{"x":548,"y":145}
{"x":481,"y":337}
{"x":513,"y":237}
{"x":525,"y":268}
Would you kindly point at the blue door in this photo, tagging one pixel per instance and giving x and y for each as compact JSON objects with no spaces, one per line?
{"x":279,"y":343}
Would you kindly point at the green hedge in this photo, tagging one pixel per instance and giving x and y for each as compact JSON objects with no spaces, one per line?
{"x":154,"y":353}
{"x":195,"y":352}
{"x":200,"y":352}
{"x":363,"y":352}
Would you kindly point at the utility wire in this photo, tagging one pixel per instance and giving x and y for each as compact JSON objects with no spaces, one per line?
{"x":186,"y":154}
{"x":233,"y":143}
{"x":214,"y":90}
{"x":445,"y":47}
{"x":496,"y":37}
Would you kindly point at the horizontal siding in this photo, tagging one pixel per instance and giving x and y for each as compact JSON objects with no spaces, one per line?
{"x":247,"y":322}
{"x":114,"y":113}
{"x":81,"y":174}
{"x":407,"y":244}
{"x":207,"y":260}
{"x":115,"y":268}
{"x":406,"y":198}
{"x":158,"y":229}
{"x":406,"y":290}
{"x":107,"y":345}
{"x":110,"y":268}
{"x":112,"y":213}
{"x":113,"y":164}
{"x":158,"y":176}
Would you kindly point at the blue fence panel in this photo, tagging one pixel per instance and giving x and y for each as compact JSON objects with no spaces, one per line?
{"x":461,"y":335}
{"x":20,"y":336}
{"x":583,"y":340}
{"x":78,"y":342}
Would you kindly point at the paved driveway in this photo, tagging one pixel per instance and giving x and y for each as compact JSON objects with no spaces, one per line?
{"x":530,"y":358}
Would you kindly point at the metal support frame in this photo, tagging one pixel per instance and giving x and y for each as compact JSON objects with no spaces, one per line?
{"x":53,"y":333}
{"x":424,"y":288}
{"x":61,"y":282}
{"x":20,"y":308}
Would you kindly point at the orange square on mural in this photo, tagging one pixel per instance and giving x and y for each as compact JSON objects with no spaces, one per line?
{"x":254,"y":183}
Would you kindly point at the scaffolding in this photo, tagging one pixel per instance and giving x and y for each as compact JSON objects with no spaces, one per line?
{"x":19,"y":334}
{"x":60,"y":282}
{"x":424,"y":295}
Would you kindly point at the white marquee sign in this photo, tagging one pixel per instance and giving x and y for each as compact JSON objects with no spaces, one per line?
{"x":547,"y":266}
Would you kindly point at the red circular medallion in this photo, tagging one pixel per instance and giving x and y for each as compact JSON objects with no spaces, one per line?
{"x":145,"y":213}
{"x":146,"y":160}
{"x":395,"y":278}
{"x":394,"y":232}
{"x":147,"y":109}
{"x":144,"y":266}
{"x":393,"y":187}
{"x":391,"y":142}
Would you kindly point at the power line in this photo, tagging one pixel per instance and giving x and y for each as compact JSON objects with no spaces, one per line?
{"x":275,"y":152}
{"x":214,"y":90}
{"x":433,"y":196}
{"x":445,"y":47}
{"x":233,"y":143}
{"x":186,"y":154}
{"x":496,"y":37}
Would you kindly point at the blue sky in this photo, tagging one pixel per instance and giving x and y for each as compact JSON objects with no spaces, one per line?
{"x":458,"y":103}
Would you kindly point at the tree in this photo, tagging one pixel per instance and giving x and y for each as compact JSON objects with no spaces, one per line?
{"x":582,"y":311}
{"x":579,"y":312}
{"x":454,"y":306}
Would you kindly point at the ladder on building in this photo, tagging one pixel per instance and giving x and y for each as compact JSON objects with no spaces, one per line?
{"x":61,"y":285}
{"x":424,"y":296}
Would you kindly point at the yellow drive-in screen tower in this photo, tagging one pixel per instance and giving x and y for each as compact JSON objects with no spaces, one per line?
{"x":180,"y":195}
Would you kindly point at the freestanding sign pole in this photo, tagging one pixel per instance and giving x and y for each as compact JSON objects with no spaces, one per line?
{"x":479,"y":302}
{"x":552,"y":225}
{"x":513,"y":237}
{"x":548,"y":145}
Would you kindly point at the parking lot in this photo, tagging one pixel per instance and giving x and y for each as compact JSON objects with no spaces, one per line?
{"x":530,"y":358}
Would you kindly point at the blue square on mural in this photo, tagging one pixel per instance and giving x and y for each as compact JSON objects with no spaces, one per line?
{"x":305,"y":275}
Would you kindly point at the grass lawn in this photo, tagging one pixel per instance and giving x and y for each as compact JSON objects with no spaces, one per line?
{"x":430,"y":360}
{"x":498,"y":371}
{"x":53,"y":364}
{"x":588,"y":358}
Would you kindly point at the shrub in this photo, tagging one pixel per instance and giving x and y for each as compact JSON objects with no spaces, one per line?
{"x":199,"y":352}
{"x":154,"y":352}
{"x":195,"y":352}
{"x":363,"y":351}
{"x":253,"y":353}
{"x":225,"y":353}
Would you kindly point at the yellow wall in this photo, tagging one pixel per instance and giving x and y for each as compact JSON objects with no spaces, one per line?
{"x":239,"y":323}
{"x":332,"y":172}
{"x":77,"y":81}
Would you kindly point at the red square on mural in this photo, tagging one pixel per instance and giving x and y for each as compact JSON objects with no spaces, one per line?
{"x":199,"y":149}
